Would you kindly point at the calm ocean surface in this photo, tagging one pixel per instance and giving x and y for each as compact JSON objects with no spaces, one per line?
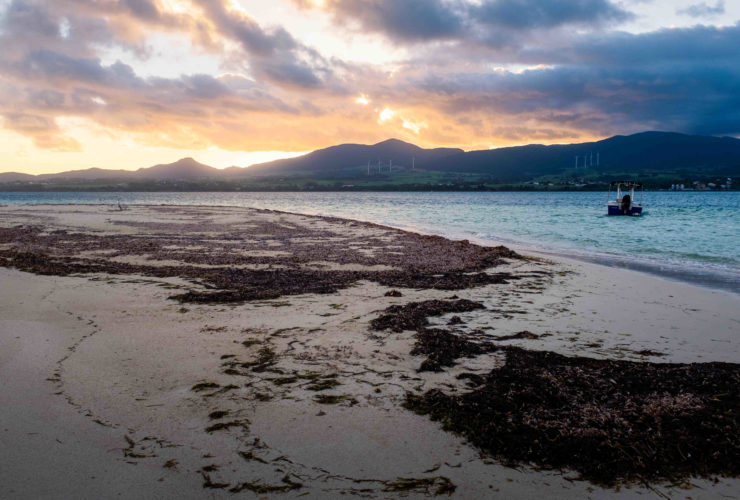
{"x":689,"y":236}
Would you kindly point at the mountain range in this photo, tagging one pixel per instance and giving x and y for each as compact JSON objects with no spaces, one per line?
{"x":642,"y":153}
{"x":337,"y":158}
{"x":647,"y":152}
{"x":186,"y":168}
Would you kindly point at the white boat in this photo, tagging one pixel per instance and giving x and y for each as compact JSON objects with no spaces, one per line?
{"x":625,"y":203}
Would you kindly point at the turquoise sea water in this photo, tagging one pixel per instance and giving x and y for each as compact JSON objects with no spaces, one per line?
{"x":690,"y":236}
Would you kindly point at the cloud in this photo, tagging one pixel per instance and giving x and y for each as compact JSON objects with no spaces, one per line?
{"x":58,"y":143}
{"x":246,"y":30}
{"x":212,"y":109}
{"x":703,"y":9}
{"x":48,"y":99}
{"x":205,"y":87}
{"x":53,"y":65}
{"x":143,"y":9}
{"x":414,"y":126}
{"x":274,"y":53}
{"x":290,"y":72}
{"x":408,"y":20}
{"x":43,"y":130}
{"x":466,"y":73}
{"x":413,"y":21}
{"x":27,"y":18}
{"x":534,"y":14}
{"x":271,"y":53}
{"x":681,"y":79}
{"x":44,"y":75}
{"x":698,"y":44}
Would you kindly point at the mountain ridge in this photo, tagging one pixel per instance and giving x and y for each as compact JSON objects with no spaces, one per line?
{"x":644,"y":151}
{"x":650,"y":150}
{"x":336,"y":158}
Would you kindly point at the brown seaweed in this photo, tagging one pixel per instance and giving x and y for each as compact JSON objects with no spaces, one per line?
{"x":222,"y":426}
{"x":438,"y":485}
{"x":609,"y":420}
{"x":443,"y":348}
{"x":427,"y":261}
{"x":259,"y":487}
{"x":202,"y":386}
{"x":414,"y":315}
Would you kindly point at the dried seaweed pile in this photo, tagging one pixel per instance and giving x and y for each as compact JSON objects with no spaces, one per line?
{"x":609,"y":420}
{"x":412,"y":260}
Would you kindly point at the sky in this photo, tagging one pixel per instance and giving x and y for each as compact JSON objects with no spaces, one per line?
{"x":132,"y":83}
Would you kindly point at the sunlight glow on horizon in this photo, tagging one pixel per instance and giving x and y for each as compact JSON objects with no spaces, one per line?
{"x":385,"y":115}
{"x":415,"y":127}
{"x":15,"y":152}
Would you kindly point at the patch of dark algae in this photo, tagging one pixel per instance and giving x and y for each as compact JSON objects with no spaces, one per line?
{"x":415,"y":315}
{"x":230,"y":274}
{"x":442,"y":347}
{"x":609,"y":420}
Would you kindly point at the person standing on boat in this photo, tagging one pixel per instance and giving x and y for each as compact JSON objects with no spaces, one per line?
{"x":626,"y":204}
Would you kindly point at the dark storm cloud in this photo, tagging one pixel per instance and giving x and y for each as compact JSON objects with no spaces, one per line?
{"x":685,"y":80}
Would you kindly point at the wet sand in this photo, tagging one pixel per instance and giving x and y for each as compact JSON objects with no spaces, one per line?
{"x":139,"y":359}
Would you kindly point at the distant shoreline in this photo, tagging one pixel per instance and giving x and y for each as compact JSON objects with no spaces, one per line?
{"x":393,"y":189}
